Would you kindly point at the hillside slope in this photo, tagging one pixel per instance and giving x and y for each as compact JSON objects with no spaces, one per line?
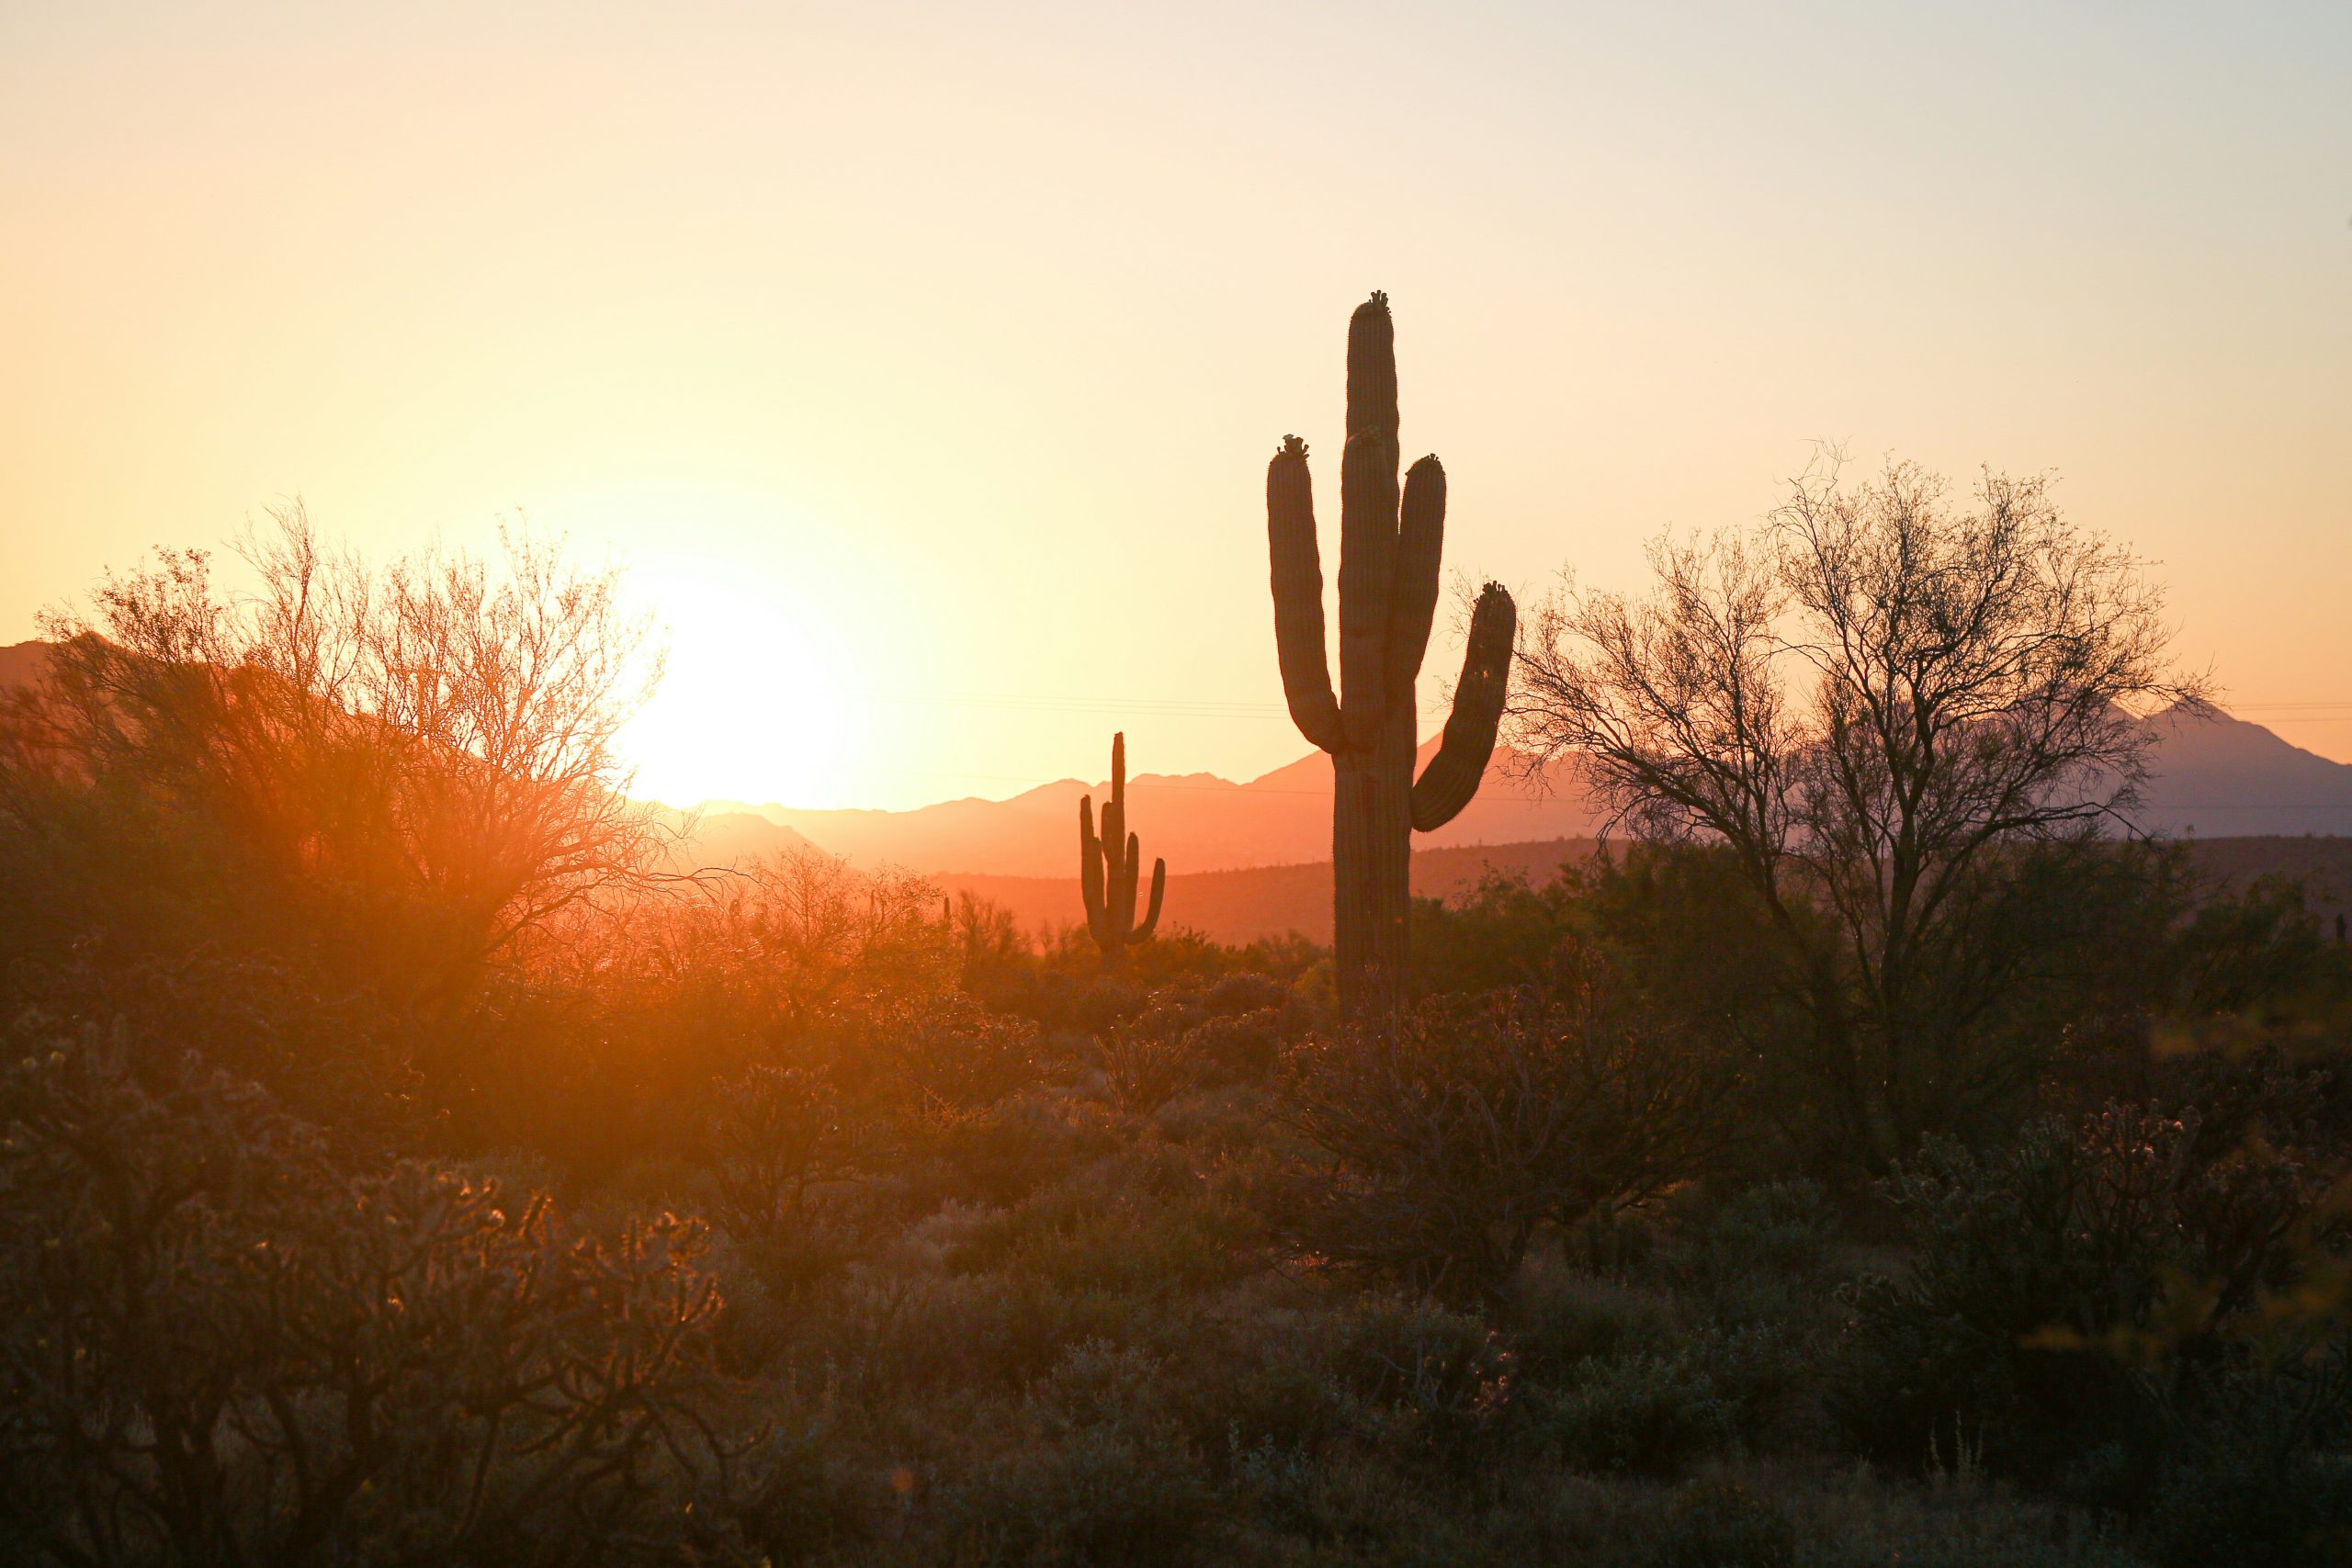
{"x":1276,"y":900}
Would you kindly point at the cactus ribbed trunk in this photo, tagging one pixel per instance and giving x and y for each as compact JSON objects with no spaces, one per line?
{"x":1390,"y":542}
{"x":1371,"y":848}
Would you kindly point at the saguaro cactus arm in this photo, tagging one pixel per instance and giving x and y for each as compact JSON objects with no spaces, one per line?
{"x":1090,"y":869}
{"x":1159,"y":887}
{"x":1420,"y":544}
{"x":1127,"y":883}
{"x":1298,"y":596}
{"x":1446,"y":785}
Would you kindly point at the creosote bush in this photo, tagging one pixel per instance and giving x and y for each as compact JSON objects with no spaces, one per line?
{"x":1441,"y":1144}
{"x":2097,"y":1299}
{"x":221,"y":1348}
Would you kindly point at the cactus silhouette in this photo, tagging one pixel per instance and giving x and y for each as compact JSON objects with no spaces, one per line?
{"x":1107,"y":867}
{"x":1389,"y":545}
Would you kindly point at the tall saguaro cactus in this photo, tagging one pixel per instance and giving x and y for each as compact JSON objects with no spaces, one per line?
{"x":1108,"y":865}
{"x":1389,"y":544}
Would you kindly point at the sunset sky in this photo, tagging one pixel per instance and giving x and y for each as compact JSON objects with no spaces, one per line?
{"x":919,"y":364}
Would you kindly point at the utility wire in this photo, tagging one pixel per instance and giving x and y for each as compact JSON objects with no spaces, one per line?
{"x":2320,"y":710}
{"x":1211,"y":707}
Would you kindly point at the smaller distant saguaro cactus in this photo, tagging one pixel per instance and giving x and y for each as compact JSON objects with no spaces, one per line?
{"x":1108,"y":865}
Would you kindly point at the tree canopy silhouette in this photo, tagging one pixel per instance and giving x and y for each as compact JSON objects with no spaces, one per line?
{"x":1879,"y":701}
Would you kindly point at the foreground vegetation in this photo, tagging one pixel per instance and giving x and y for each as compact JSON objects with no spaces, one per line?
{"x":406,"y":1159}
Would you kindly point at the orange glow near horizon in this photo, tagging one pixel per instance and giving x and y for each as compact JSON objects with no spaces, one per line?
{"x":919,"y":363}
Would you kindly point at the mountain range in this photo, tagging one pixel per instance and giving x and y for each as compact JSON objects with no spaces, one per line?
{"x":2214,"y":776}
{"x":1196,"y":821}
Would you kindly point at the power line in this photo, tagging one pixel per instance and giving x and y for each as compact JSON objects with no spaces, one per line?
{"x":1156,"y":707}
{"x":1221,"y":707}
{"x":2318,"y":711}
{"x":1156,"y":783}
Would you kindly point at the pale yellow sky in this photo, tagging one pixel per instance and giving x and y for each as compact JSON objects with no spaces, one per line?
{"x":921,"y":363}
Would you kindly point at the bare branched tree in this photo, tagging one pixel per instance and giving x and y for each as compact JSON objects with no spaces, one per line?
{"x":438,"y":737}
{"x":1875,"y":701}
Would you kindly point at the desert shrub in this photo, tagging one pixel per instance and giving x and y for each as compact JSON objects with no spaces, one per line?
{"x":1866,"y":1520}
{"x":1098,"y":1495}
{"x":785,"y":945}
{"x":1786,"y":1515}
{"x":1755,"y":1263}
{"x":2008,"y":1245}
{"x":341,"y":1060}
{"x":2247,"y":948}
{"x":220,"y":1346}
{"x":1099,"y":1383}
{"x":1288,"y":1404}
{"x":1641,"y":1414}
{"x":2261,"y":1508}
{"x":949,"y":1054}
{"x":1147,"y":1061}
{"x":610,"y":1047}
{"x":1611,"y":1240}
{"x":1504,"y":933}
{"x":1445,"y":1140}
{"x":1697,"y":950}
{"x":1231,"y":1029}
{"x":1441,"y":1376}
{"x":1721,"y":1524}
{"x":1000,"y":1155}
{"x":1076,"y":1238}
{"x":895,"y":1335}
{"x":790,"y":1168}
{"x":1347,"y":1505}
{"x":804,"y":1500}
{"x":2091,"y":1289}
{"x":1102,"y":1476}
{"x":2250,"y":1467}
{"x":1764,"y":1373}
{"x":1065,"y":991}
{"x":1780,"y":1228}
{"x":1245,"y":1046}
{"x":1224,"y":1131}
{"x":1248,"y":991}
{"x":2236,"y":1092}
{"x":1277,"y":1482}
{"x":1559,"y":1318}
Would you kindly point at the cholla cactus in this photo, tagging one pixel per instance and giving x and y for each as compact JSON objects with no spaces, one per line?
{"x":1389,"y":545}
{"x":1108,"y":865}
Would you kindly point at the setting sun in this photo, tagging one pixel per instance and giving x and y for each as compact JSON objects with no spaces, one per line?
{"x":757,"y":701}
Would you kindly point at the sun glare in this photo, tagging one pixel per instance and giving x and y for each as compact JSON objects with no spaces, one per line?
{"x":750,"y":707}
